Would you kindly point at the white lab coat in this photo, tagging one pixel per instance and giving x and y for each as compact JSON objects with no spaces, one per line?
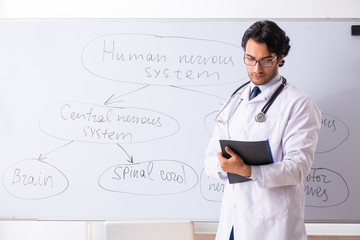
{"x":273,"y":208}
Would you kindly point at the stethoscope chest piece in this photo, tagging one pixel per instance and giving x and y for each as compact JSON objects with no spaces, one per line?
{"x":260,"y":117}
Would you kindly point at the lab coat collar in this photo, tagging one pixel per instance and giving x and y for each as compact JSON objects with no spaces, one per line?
{"x":266,"y":90}
{"x":269,"y":84}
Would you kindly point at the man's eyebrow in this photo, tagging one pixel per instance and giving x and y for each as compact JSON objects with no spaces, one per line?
{"x":248,"y":55}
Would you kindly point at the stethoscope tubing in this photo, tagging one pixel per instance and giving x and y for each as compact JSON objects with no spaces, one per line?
{"x":260,"y":117}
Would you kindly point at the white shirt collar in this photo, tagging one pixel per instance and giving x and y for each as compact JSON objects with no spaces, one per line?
{"x":265,"y":86}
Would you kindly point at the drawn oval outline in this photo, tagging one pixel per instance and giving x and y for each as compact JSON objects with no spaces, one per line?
{"x":47,"y":121}
{"x":93,"y":66}
{"x":138,"y":188}
{"x":324,"y":146}
{"x":343,"y":182}
{"x":209,"y":119}
{"x":217,"y":186}
{"x":35,"y":163}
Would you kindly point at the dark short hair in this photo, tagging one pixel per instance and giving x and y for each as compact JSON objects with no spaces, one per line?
{"x":270,"y":33}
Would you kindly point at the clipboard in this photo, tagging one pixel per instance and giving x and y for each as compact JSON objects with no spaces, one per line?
{"x":253,"y":153}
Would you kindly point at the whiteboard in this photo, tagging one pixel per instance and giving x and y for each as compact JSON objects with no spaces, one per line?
{"x":109,"y":119}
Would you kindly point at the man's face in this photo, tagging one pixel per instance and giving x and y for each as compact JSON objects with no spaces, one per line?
{"x":258,"y":74}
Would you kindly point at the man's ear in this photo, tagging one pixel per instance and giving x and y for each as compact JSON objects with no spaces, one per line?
{"x":280,"y":60}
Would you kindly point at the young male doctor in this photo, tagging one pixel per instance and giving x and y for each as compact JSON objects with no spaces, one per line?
{"x":271,"y":205}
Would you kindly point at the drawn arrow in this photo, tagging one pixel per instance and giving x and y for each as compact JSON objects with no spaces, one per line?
{"x":131,"y":158}
{"x":112,"y":99}
{"x":44,"y":156}
{"x":41,"y":158}
{"x":191,"y":90}
{"x":115,"y":99}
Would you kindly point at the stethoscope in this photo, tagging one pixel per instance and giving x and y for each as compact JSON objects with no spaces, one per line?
{"x":260,"y":117}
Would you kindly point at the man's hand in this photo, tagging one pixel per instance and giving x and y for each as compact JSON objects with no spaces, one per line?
{"x":234,"y":164}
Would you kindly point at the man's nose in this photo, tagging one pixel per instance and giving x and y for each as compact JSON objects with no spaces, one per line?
{"x":257,"y":67}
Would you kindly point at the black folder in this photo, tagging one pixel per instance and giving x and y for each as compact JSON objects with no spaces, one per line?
{"x":253,"y":153}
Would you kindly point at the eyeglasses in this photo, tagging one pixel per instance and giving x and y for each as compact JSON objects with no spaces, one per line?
{"x":262,"y":62}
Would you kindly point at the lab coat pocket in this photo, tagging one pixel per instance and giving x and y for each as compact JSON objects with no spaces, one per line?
{"x":269,"y":203}
{"x":270,"y":129}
